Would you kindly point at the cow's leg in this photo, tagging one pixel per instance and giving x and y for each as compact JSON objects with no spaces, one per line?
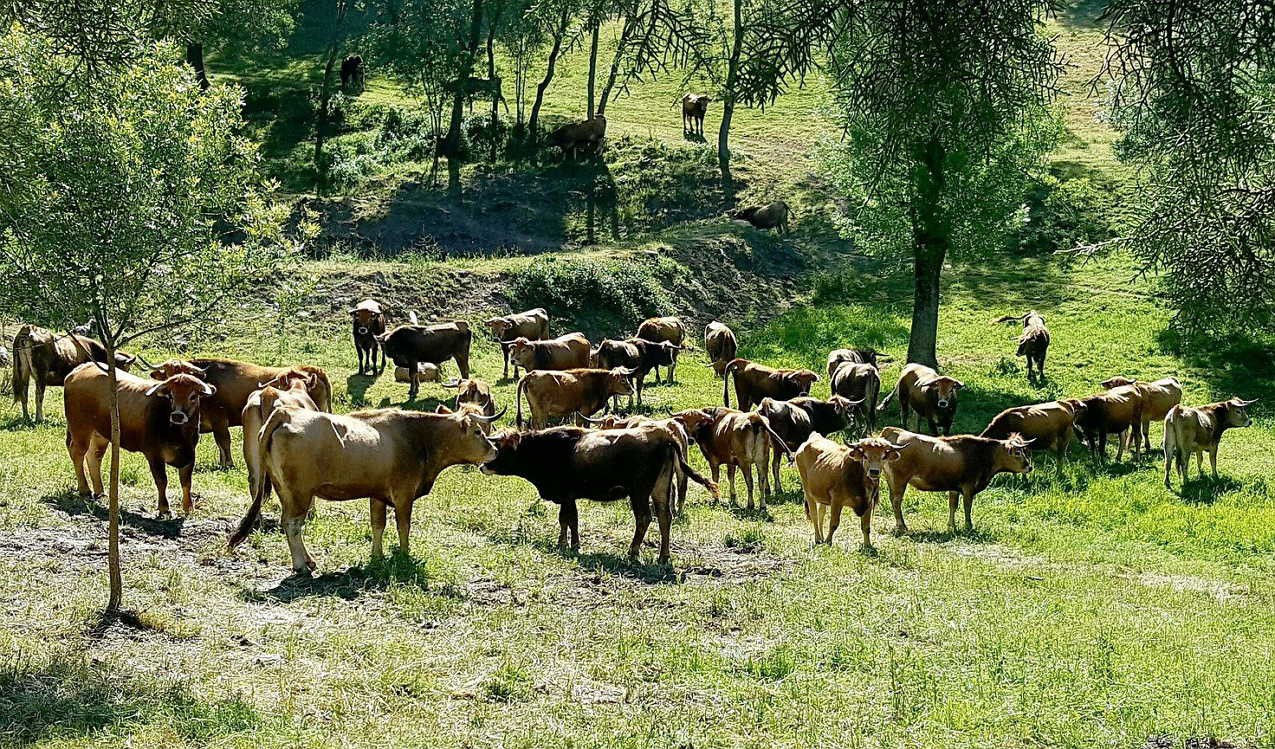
{"x":763,"y":478}
{"x":377,"y":509}
{"x":835,"y":521}
{"x":403,"y":519}
{"x":569,"y":522}
{"x":1168,"y":468}
{"x":92,"y":461}
{"x":413,"y":378}
{"x":664,"y":517}
{"x":953,"y":499}
{"x":1199,"y":462}
{"x":730,"y":476}
{"x":462,"y":363}
{"x":968,"y":502}
{"x":1122,"y":440}
{"x":1213,"y":458}
{"x":641,"y":521}
{"x":865,"y":525}
{"x":184,"y":476}
{"x":896,"y":503}
{"x":747,"y":470}
{"x":812,"y":514}
{"x":221,"y":433}
{"x":774,"y":464}
{"x":159,"y":472}
{"x":1146,"y":436}
{"x":903,"y":410}
{"x":293,"y":510}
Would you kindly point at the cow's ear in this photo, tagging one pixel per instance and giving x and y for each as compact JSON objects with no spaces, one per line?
{"x":892,"y":454}
{"x":159,"y":388}
{"x":958,"y":384}
{"x":441,"y":409}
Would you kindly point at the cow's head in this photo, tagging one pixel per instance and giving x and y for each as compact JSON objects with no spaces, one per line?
{"x":1014,"y":454}
{"x":365,"y":318}
{"x":802,"y":380}
{"x":620,"y":381}
{"x":1236,"y":415}
{"x":472,"y":411}
{"x":873,"y":453}
{"x":1078,"y":407}
{"x":693,"y":420}
{"x":609,"y":421}
{"x":498,"y":327}
{"x":472,"y":391}
{"x":505,"y":461}
{"x":174,"y":367}
{"x":944,"y":390}
{"x":469,"y":443}
{"x":183,"y":392}
{"x":124,"y":361}
{"x":844,"y":406}
{"x":293,"y":379}
{"x":1117,"y":381}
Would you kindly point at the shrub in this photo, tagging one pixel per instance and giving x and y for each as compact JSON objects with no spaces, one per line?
{"x":598,"y":294}
{"x":1059,"y":214}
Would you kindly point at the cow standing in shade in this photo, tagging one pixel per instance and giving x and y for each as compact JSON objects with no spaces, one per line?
{"x":46,"y":358}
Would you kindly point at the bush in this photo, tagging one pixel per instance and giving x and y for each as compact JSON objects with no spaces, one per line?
{"x":599,"y":295}
{"x":1059,"y":214}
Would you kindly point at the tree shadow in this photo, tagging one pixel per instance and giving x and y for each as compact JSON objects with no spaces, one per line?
{"x":71,"y":503}
{"x":945,"y":536}
{"x":17,"y":424}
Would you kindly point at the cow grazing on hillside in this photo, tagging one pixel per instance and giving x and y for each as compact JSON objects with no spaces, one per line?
{"x":836,"y":477}
{"x":1117,"y":411}
{"x":46,"y":358}
{"x":962,"y":466}
{"x":160,"y":420}
{"x":1199,"y":430}
{"x":352,"y":72}
{"x":568,"y":351}
{"x":1157,"y":398}
{"x":367,"y":320}
{"x":553,"y":394}
{"x":566,"y":464}
{"x":856,"y":356}
{"x":756,"y":381}
{"x":931,"y":395}
{"x":1033,"y":343}
{"x":721,"y":345}
{"x":694,"y":107}
{"x":409,"y":345}
{"x":234,"y":382}
{"x":795,"y":420}
{"x":859,"y":382}
{"x":532,"y":324}
{"x":587,"y":135}
{"x":388,"y":456}
{"x":736,"y":440}
{"x":289,"y":390}
{"x":1048,"y":426}
{"x":770,"y":216}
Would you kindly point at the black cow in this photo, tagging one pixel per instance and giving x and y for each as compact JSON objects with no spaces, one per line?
{"x":409,"y":345}
{"x":352,"y":71}
{"x":793,"y":421}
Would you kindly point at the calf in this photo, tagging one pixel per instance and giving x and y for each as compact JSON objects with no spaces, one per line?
{"x":553,"y":394}
{"x":769,"y":216}
{"x":795,"y":420}
{"x":45,"y":358}
{"x":160,"y":420}
{"x":1048,"y":426}
{"x":1197,"y":430}
{"x":1157,"y":398}
{"x":861,"y":383}
{"x":756,"y":381}
{"x":367,"y":320}
{"x":662,"y":330}
{"x":837,"y":477}
{"x":569,"y":351}
{"x":532,"y":325}
{"x":930,"y":394}
{"x":1033,"y":343}
{"x":694,"y":107}
{"x":288,"y":390}
{"x":409,"y":345}
{"x":388,"y":456}
{"x":734,"y":439}
{"x":721,"y":345}
{"x":588,"y":134}
{"x":856,"y":356}
{"x":963,"y":465}
{"x":566,"y":464}
{"x":656,"y":355}
{"x":1117,"y":411}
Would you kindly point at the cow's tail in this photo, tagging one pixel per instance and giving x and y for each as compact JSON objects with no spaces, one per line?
{"x":692,"y":474}
{"x":522,"y":385}
{"x":23,"y":365}
{"x":779,"y":442}
{"x":886,"y":400}
{"x":726,"y":372}
{"x":277,"y":418}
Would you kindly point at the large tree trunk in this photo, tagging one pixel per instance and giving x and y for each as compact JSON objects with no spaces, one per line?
{"x":593,"y":67}
{"x":195,"y":58}
{"x":728,"y":106}
{"x":113,"y":493}
{"x":534,"y":120}
{"x":931,"y":236}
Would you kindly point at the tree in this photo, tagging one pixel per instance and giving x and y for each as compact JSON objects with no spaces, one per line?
{"x":555,"y":16}
{"x":327,"y":88}
{"x":1191,"y":89}
{"x":654,"y":37}
{"x":522,"y":39}
{"x":128,"y":199}
{"x":237,"y":25}
{"x":944,"y":105}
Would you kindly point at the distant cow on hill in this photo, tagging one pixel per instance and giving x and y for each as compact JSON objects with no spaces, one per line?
{"x":574,"y":136}
{"x":694,"y":107}
{"x":770,"y":216}
{"x":1033,"y":344}
{"x":352,"y":72}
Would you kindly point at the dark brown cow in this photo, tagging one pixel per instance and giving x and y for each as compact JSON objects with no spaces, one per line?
{"x":859,"y":382}
{"x":1049,"y":426}
{"x":234,"y":382}
{"x":555,"y":394}
{"x":588,"y":134}
{"x":1117,"y":411}
{"x":795,"y":420}
{"x":532,"y":325}
{"x":352,"y":72}
{"x":409,"y":345}
{"x":367,"y":320}
{"x":1033,"y":343}
{"x":612,"y":354}
{"x":756,"y":381}
{"x":930,"y":394}
{"x":837,"y":477}
{"x":769,"y":216}
{"x":568,"y":351}
{"x":962,"y":466}
{"x":47,"y":358}
{"x":1199,"y":430}
{"x":721,"y":345}
{"x":734,"y":439}
{"x":160,"y":420}
{"x":694,"y":107}
{"x":664,"y":330}
{"x":674,"y":427}
{"x":856,"y":356}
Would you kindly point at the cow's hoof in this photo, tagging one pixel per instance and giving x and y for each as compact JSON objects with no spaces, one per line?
{"x":164,"y":515}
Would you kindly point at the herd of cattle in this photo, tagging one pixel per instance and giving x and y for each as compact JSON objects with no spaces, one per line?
{"x":296,"y":447}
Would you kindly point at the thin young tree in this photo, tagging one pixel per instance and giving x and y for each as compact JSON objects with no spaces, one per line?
{"x":557,"y":18}
{"x":237,"y":26}
{"x":127,"y":199}
{"x":945,"y":110}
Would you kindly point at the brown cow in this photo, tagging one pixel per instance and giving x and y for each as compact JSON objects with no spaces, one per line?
{"x":1049,"y":425}
{"x":160,"y":420}
{"x":532,"y":325}
{"x":289,"y":390}
{"x":756,"y":381}
{"x":47,"y":358}
{"x":962,"y":466}
{"x":930,"y":394}
{"x":587,"y":134}
{"x":1157,"y":398}
{"x":389,"y":456}
{"x":425,"y":372}
{"x":837,"y":477}
{"x":856,"y":356}
{"x":694,"y":107}
{"x":1199,"y":430}
{"x":554,"y":394}
{"x":859,"y":382}
{"x":769,"y":216}
{"x":660,"y":329}
{"x":568,"y":351}
{"x":367,"y":321}
{"x":1033,"y":343}
{"x":234,"y":382}
{"x":721,"y":345}
{"x":734,"y":439}
{"x":1117,"y":411}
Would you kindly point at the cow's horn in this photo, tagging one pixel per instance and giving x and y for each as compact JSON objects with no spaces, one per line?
{"x":154,"y":388}
{"x":1247,"y":403}
{"x":452,"y":383}
{"x":589,"y":420}
{"x":493,"y":417}
{"x":627,"y":371}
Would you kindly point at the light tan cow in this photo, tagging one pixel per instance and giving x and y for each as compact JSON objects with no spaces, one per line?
{"x":660,"y":329}
{"x":554,"y":394}
{"x":931,"y":395}
{"x":290,"y":389}
{"x":1199,"y":430}
{"x":1157,"y":398}
{"x":736,"y":440}
{"x":721,"y":345}
{"x":567,"y":351}
{"x":836,"y":477}
{"x":1047,"y":425}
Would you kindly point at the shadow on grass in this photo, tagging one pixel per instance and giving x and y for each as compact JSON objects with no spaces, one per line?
{"x":357,"y":386}
{"x":73,"y":504}
{"x":351,"y":583}
{"x":944,"y":536}
{"x":1205,"y":490}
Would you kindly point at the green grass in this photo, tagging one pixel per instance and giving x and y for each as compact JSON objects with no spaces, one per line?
{"x":1092,"y":607}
